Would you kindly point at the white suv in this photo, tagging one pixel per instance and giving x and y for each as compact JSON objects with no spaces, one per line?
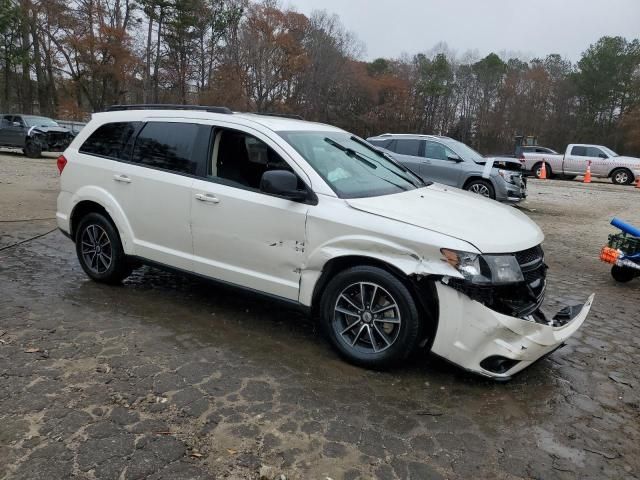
{"x":315,"y":216}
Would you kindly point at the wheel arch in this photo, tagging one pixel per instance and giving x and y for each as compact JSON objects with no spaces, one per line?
{"x":93,"y":199}
{"x":615,"y":169}
{"x":421,"y":287}
{"x":473,"y":177}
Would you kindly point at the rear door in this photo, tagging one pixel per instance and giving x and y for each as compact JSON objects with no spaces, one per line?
{"x":409,"y":152}
{"x":240,"y":234}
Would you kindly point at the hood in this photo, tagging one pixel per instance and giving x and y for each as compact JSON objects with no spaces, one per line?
{"x":51,"y":129}
{"x":488,"y":225}
{"x":512,"y":164}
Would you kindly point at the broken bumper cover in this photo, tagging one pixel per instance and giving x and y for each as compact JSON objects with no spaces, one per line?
{"x":489,"y":343}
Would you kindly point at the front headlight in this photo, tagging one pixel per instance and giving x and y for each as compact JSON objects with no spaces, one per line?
{"x":485,"y":269}
{"x":507,"y":175}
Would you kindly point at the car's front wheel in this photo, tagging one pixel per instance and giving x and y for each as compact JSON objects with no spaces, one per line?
{"x":622,"y":176}
{"x":370,"y":317}
{"x":32,"y":149}
{"x":100,"y":251}
{"x":481,"y":187}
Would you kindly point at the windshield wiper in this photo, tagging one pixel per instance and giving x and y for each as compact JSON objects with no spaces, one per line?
{"x":408,"y":178}
{"x":362,"y":158}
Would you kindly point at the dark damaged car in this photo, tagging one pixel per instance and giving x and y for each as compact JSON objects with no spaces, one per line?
{"x":33,"y":134}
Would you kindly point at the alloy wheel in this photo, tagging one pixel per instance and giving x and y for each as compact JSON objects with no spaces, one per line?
{"x":97,"y":252}
{"x":480,"y":189}
{"x":367,"y":318}
{"x":621,"y":177}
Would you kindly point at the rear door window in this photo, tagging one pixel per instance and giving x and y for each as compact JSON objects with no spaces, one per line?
{"x":168,"y":146}
{"x":110,"y":140}
{"x":408,"y":147}
{"x":579,"y":151}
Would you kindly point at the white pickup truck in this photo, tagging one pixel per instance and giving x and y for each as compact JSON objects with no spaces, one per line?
{"x":605,"y":163}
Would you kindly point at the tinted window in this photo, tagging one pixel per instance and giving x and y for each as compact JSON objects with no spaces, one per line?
{"x":240,"y":159}
{"x":110,"y":140}
{"x":168,"y":146}
{"x":408,"y":147}
{"x":579,"y":151}
{"x":594,"y":152}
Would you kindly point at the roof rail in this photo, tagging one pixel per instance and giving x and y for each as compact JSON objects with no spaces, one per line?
{"x":156,"y":106}
{"x":283,"y":115}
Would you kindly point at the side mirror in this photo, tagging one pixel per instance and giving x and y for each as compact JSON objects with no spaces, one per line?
{"x":454,"y":158}
{"x":282,"y":183}
{"x":602,"y":155}
{"x":16,"y":124}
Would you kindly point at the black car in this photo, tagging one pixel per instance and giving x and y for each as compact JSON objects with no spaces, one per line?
{"x":33,"y":134}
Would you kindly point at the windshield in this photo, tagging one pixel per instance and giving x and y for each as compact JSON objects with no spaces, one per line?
{"x":465,"y":152}
{"x":610,"y":152}
{"x":39,"y":122}
{"x":350,"y":167}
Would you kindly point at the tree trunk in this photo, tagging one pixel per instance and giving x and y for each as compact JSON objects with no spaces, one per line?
{"x":27,"y":94}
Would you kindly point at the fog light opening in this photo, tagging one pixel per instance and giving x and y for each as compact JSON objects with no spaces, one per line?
{"x":498,"y":364}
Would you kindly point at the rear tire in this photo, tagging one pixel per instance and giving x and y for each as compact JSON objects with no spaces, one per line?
{"x":622,"y":176}
{"x":370,"y":317}
{"x":481,"y":187}
{"x":32,"y":149}
{"x":537,"y":169}
{"x":100,"y":251}
{"x":623,"y":274}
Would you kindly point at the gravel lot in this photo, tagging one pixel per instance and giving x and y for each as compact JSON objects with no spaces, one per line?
{"x":166,"y":377}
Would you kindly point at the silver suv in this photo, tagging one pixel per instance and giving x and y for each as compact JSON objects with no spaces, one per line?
{"x":445,"y":160}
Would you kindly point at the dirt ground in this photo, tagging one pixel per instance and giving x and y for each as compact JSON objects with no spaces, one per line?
{"x":167,"y":377}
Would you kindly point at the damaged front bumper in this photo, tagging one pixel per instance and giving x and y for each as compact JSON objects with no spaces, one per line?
{"x":495,"y":345}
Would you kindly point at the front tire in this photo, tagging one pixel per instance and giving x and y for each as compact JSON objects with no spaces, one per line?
{"x":623,"y":274}
{"x":100,"y":251}
{"x":370,"y":317}
{"x":622,"y":176}
{"x":483,"y":188}
{"x":32,"y":149}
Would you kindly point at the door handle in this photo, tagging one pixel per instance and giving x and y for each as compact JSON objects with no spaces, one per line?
{"x":207,"y":198}
{"x":122,"y":178}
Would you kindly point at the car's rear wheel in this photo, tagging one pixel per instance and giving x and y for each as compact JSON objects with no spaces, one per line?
{"x":622,"y":176}
{"x":537,"y":169}
{"x":481,"y":187}
{"x":32,"y":149}
{"x":370,"y":317}
{"x":100,"y":251}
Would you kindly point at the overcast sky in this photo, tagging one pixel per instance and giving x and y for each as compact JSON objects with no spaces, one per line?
{"x":532,"y":28}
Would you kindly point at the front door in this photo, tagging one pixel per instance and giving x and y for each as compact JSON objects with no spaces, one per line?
{"x":441,"y":164}
{"x":241,"y":235}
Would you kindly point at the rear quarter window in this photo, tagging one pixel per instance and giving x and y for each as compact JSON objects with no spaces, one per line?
{"x":110,"y":140}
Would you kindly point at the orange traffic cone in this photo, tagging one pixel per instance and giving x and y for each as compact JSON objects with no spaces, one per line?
{"x":638,"y":182}
{"x":587,"y":175}
{"x":543,"y":170}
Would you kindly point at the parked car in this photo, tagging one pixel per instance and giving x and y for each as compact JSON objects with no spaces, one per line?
{"x":447,"y":161}
{"x":605,"y":163}
{"x":314,"y":216}
{"x":33,"y":134}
